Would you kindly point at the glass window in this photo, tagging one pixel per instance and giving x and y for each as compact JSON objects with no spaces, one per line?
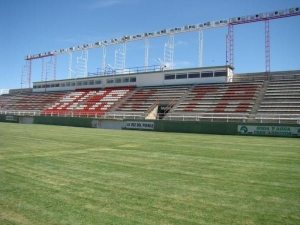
{"x":56,"y":85}
{"x":109,"y":81}
{"x":68,"y":84}
{"x":181,"y":76}
{"x":126,"y":80}
{"x":39,"y":86}
{"x":169,"y":76}
{"x":220,"y":74}
{"x":98,"y":82}
{"x":84,"y":83}
{"x":34,"y":86}
{"x":132,"y":79}
{"x":118,"y":80}
{"x":52,"y":85}
{"x":91,"y":82}
{"x":194,"y":75}
{"x":63,"y":85}
{"x":78,"y":83}
{"x":72,"y":84}
{"x":207,"y":74}
{"x":43,"y":86}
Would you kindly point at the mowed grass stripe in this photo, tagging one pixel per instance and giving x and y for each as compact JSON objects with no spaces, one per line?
{"x":90,"y":176}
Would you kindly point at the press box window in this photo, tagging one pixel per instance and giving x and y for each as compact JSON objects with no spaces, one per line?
{"x":194,"y":75}
{"x":110,"y":81}
{"x":84,"y":83}
{"x":181,"y":76}
{"x":169,"y":76}
{"x":132,"y":79}
{"x":220,"y":74}
{"x":78,"y":83}
{"x":52,"y":85}
{"x":126,"y":80}
{"x":98,"y":82}
{"x":68,"y":84}
{"x":207,"y":74}
{"x":63,"y":85}
{"x":72,"y":84}
{"x":118,"y":80}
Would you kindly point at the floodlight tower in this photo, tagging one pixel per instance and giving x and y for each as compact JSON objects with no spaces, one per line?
{"x":82,"y":62}
{"x":26,"y":74}
{"x":146,"y":53}
{"x":200,"y":56}
{"x":120,"y":57}
{"x":169,"y":52}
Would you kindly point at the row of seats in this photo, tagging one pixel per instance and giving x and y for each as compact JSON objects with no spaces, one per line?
{"x":281,"y":98}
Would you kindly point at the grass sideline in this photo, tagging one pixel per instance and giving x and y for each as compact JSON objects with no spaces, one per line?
{"x":66,"y":175}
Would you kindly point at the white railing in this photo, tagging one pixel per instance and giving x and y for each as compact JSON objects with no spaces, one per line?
{"x":269,"y":118}
{"x":207,"y":116}
{"x":21,"y":112}
{"x":278,"y":118}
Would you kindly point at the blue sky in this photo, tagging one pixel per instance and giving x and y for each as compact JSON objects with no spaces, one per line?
{"x":35,"y":26}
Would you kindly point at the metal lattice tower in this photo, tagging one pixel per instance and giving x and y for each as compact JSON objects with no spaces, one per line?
{"x":71,"y":71}
{"x":230,"y":46}
{"x":82,"y":62}
{"x":146,"y":54}
{"x":200,"y":56}
{"x":169,"y":53}
{"x":51,"y":69}
{"x":103,"y":60}
{"x":120,"y":58}
{"x":42,"y":72}
{"x":267,"y":47}
{"x":26,"y":75}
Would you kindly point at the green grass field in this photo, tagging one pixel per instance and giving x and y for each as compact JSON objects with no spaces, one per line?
{"x":66,"y":175}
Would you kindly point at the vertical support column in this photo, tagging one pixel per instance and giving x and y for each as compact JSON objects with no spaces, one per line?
{"x":70,"y":65}
{"x":29,"y":73}
{"x":54,"y":66}
{"x":169,"y":52}
{"x":26,"y":75}
{"x":146,"y":54}
{"x":200,"y":56}
{"x":42,"y":72}
{"x":120,"y":58}
{"x":103,"y":60}
{"x":230,"y":46}
{"x":267,"y":48}
{"x":82,"y":62}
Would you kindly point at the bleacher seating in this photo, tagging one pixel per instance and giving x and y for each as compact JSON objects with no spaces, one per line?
{"x":142,"y":99}
{"x":229,"y":98}
{"x":90,"y":102}
{"x":31,"y":101}
{"x":282,"y":98}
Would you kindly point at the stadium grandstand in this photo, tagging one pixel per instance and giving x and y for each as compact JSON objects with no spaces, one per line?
{"x":162,"y":92}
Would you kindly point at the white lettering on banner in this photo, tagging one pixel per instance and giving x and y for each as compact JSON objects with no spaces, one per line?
{"x":285,"y":131}
{"x":11,"y":118}
{"x":139,"y":125}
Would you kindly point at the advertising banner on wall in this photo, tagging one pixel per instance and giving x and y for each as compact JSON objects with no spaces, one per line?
{"x":141,"y":125}
{"x":11,"y":118}
{"x":282,"y":131}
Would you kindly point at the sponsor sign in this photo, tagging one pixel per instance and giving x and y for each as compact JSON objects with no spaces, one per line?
{"x":11,"y":118}
{"x":139,"y":125}
{"x":283,"y":131}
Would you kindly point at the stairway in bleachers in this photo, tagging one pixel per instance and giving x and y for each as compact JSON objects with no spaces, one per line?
{"x":144,"y":99}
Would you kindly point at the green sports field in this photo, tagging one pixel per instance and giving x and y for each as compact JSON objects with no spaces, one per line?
{"x":66,"y":175}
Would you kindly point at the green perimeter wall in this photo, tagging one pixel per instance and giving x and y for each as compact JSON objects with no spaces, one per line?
{"x":64,"y":121}
{"x":230,"y":128}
